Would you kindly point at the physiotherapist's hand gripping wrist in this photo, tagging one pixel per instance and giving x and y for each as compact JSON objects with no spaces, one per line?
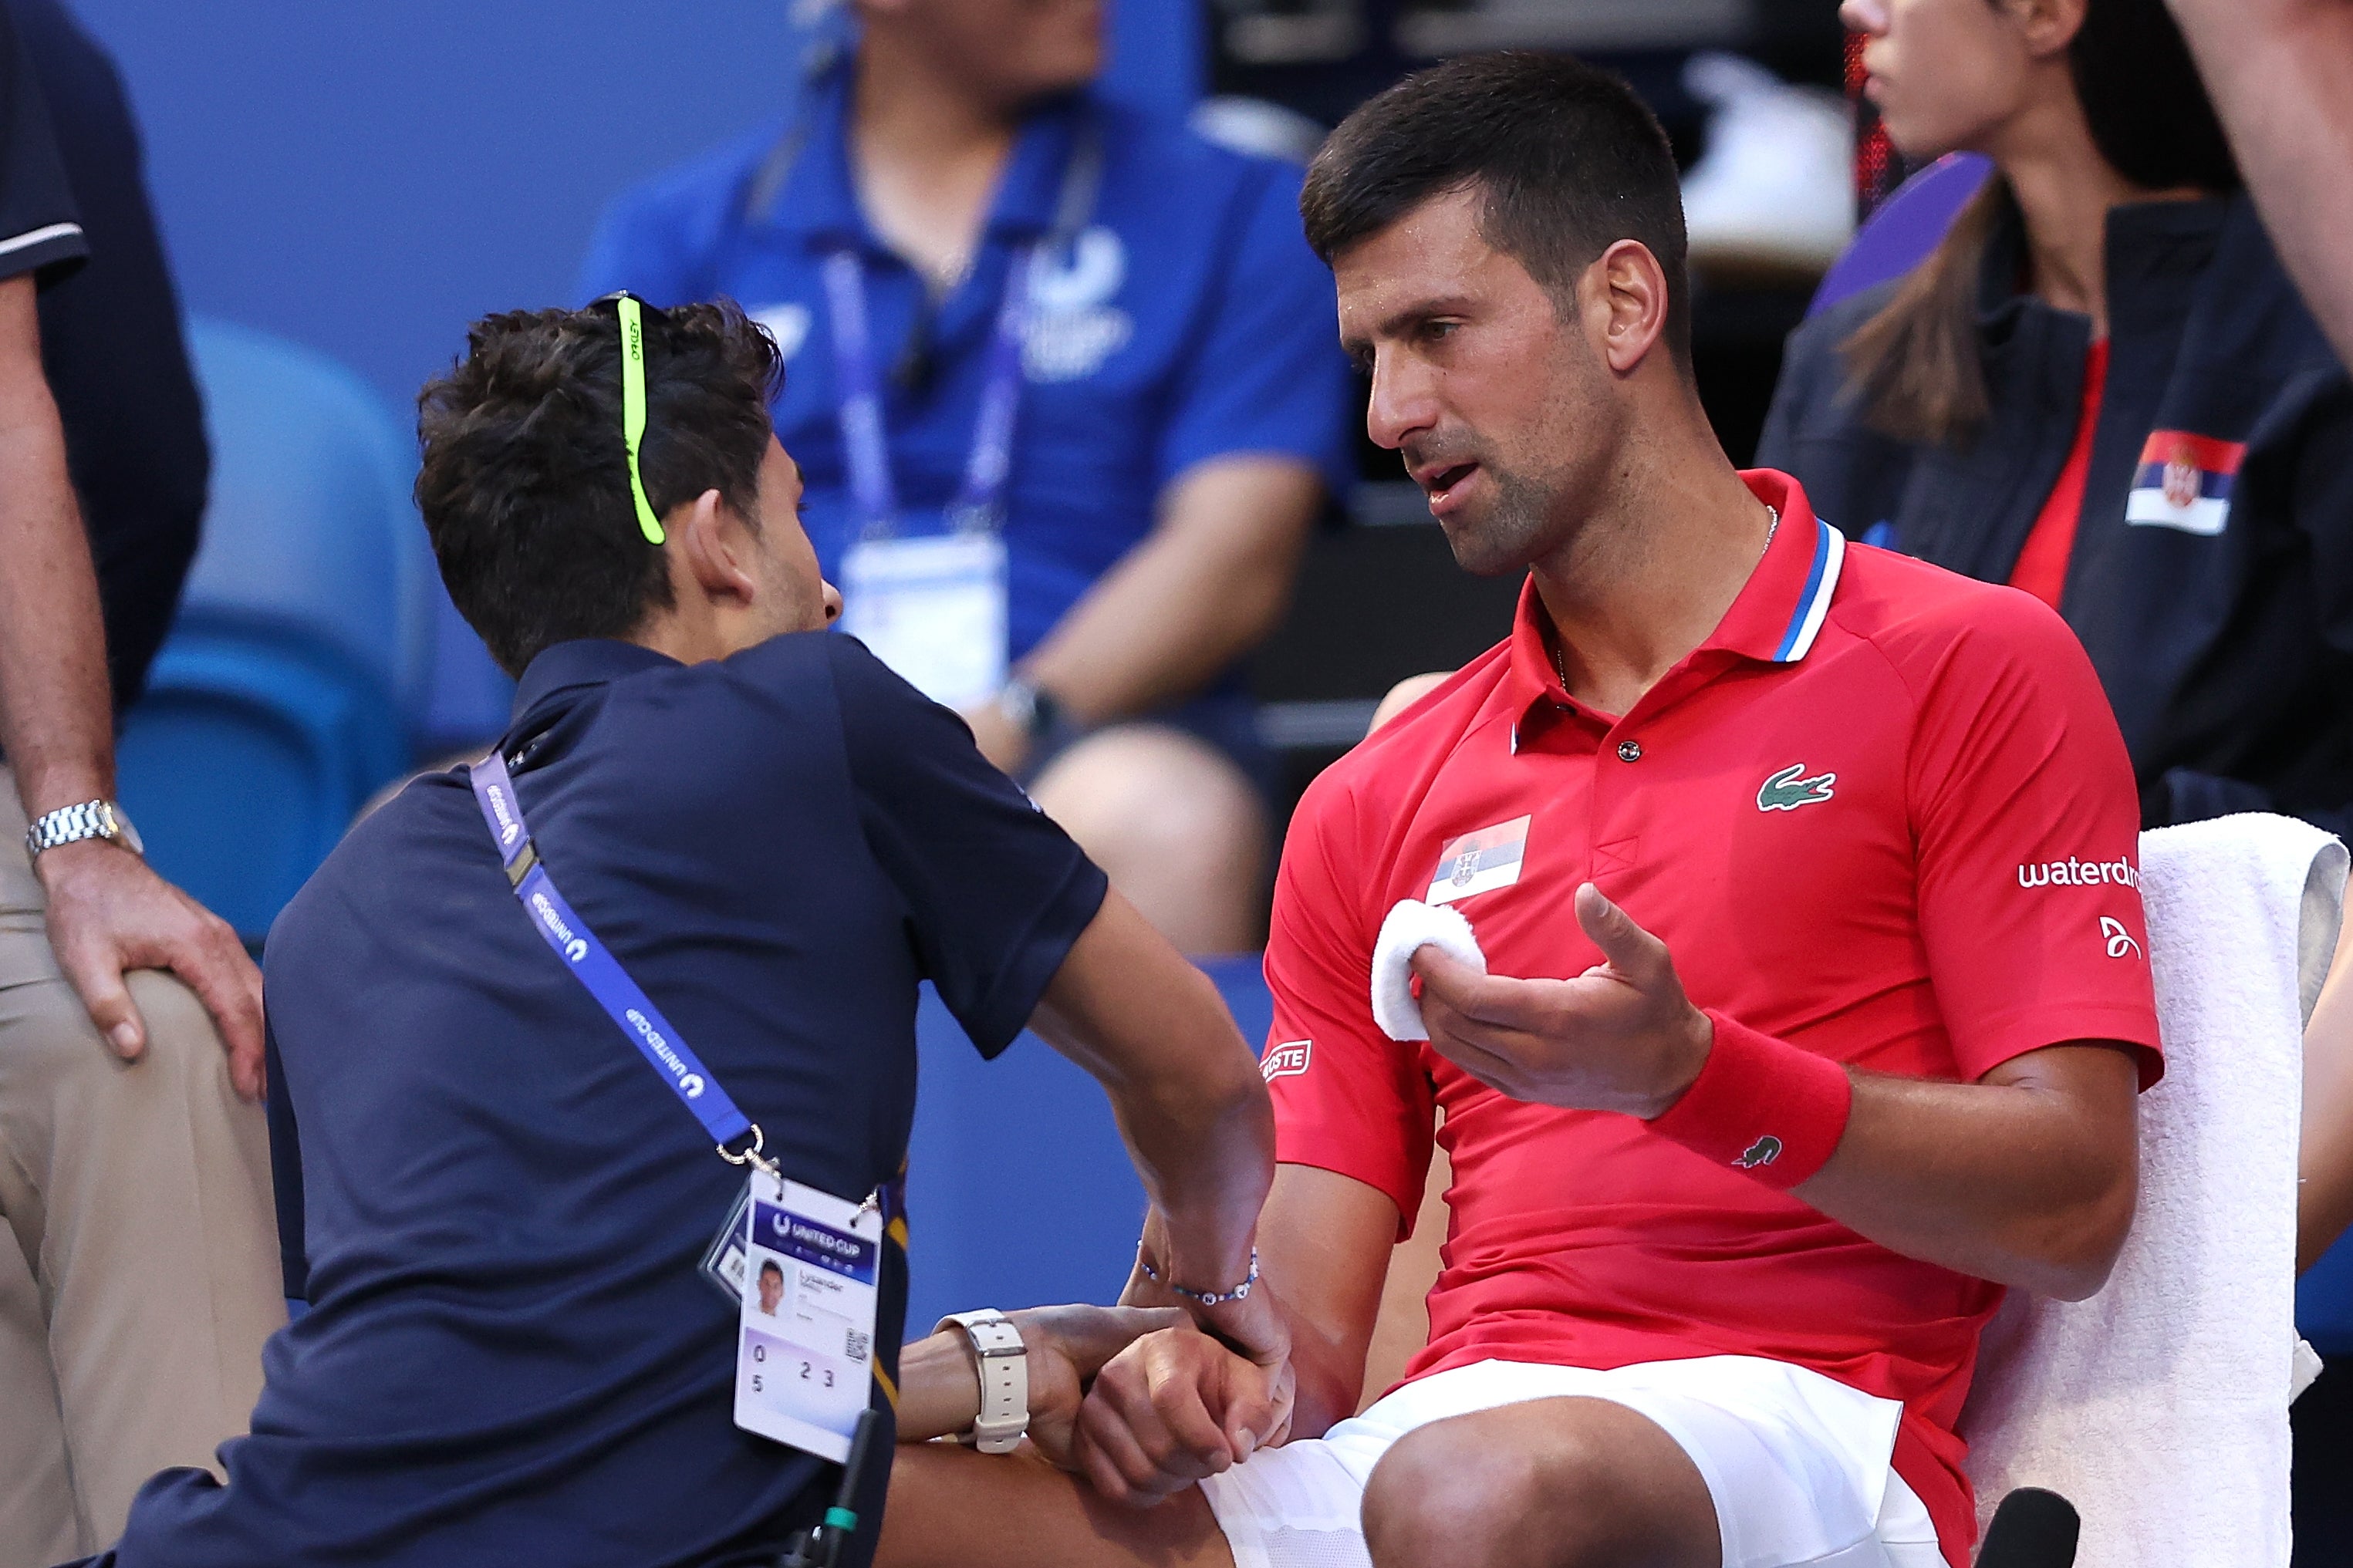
{"x":1185,"y":1091}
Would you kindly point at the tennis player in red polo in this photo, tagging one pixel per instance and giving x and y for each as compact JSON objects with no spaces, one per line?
{"x":1815,"y":997}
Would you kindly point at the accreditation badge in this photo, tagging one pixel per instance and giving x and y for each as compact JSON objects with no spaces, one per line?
{"x":805,"y":1336}
{"x":933,"y":608}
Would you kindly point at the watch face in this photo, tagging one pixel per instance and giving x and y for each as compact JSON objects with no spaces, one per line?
{"x":117,"y":828}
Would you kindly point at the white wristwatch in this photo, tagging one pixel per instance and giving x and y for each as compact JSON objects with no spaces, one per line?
{"x":1004,"y":1362}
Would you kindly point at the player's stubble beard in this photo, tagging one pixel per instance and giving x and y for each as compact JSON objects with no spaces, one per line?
{"x":1533,"y":512}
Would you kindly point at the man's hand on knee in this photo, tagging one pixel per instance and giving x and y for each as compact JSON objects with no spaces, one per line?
{"x":1173,"y":1408}
{"x":108,"y":912}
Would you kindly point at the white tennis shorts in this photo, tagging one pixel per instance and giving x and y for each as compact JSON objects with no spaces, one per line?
{"x":1796,"y":1462}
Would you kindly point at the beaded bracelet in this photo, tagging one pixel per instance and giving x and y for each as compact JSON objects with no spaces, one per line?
{"x":1206,"y":1297}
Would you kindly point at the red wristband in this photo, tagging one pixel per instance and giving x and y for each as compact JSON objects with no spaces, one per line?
{"x":1761,"y":1105}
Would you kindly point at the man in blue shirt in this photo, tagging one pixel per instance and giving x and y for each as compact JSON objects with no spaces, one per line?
{"x":495,"y":1209}
{"x":1177,"y":408}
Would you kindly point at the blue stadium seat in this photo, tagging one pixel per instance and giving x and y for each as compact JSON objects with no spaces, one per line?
{"x":300,"y":662}
{"x":1018,"y":1191}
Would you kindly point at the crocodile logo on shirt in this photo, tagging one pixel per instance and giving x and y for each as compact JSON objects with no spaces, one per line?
{"x":1763,"y":1152}
{"x":1789,"y":789}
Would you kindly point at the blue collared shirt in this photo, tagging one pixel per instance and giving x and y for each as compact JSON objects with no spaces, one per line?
{"x":496,"y":1211}
{"x":1189,"y":321}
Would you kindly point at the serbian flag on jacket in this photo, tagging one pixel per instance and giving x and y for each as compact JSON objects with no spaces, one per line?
{"x":2184,"y":481}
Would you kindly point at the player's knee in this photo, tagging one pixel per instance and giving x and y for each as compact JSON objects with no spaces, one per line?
{"x":1433,"y":1502}
{"x":1446,"y":1498}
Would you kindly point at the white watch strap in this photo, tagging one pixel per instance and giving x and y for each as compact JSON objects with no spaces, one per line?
{"x":1004,"y":1362}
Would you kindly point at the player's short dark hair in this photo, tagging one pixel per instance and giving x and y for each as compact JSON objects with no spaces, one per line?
{"x":768,"y":1266}
{"x":525,"y":482}
{"x":1569,"y":159}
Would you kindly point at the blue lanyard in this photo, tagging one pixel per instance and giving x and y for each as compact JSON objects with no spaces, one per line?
{"x":979,"y":504}
{"x":664,"y":1048}
{"x":980,"y":500}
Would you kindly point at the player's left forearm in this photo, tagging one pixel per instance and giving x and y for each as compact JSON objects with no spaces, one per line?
{"x":1203,"y":588}
{"x":2027,"y":1177}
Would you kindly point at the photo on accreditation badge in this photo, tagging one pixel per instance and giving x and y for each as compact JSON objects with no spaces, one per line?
{"x":806,"y":1339}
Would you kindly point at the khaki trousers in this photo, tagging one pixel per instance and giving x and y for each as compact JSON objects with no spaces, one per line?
{"x":145,"y":1275}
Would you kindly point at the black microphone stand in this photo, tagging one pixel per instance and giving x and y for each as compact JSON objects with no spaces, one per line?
{"x":821,"y":1545}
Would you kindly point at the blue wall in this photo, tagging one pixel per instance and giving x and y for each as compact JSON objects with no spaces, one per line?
{"x":367,"y":177}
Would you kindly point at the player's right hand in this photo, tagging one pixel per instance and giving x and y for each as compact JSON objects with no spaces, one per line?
{"x":1173,"y":1408}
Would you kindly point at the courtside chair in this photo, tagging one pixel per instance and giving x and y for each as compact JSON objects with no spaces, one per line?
{"x":299,"y":665}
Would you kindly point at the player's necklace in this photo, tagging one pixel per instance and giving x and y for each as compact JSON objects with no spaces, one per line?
{"x":1560,"y":665}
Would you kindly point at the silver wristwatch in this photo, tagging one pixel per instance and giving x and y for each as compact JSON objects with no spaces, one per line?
{"x":72,"y":824}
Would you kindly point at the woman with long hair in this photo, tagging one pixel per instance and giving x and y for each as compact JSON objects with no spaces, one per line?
{"x":2102,"y":388}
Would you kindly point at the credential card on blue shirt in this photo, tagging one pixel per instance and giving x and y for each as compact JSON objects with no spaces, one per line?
{"x":805,"y":1339}
{"x":933,"y":608}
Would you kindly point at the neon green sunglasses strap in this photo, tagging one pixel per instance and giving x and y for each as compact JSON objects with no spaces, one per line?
{"x":633,"y":410}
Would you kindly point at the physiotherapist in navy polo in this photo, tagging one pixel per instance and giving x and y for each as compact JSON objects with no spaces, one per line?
{"x":1040,"y":341}
{"x":498,"y":1213}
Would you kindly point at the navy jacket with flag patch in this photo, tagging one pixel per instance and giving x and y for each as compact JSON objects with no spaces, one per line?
{"x":2212,"y":573}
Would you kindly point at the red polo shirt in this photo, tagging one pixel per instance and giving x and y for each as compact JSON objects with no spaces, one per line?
{"x":1883,"y":813}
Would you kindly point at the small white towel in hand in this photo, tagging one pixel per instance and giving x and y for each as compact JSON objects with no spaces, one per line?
{"x":1410,"y":926}
{"x":2159,"y":1406}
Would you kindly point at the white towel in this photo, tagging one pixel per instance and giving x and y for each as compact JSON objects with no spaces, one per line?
{"x":1413,"y":925}
{"x":2159,"y":1406}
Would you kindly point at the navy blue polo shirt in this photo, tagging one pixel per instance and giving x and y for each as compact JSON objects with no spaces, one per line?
{"x":1188,"y":320}
{"x":511,"y":1356}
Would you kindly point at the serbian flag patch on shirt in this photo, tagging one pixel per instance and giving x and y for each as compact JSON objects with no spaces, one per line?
{"x":1479,"y":862}
{"x":2184,"y":481}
